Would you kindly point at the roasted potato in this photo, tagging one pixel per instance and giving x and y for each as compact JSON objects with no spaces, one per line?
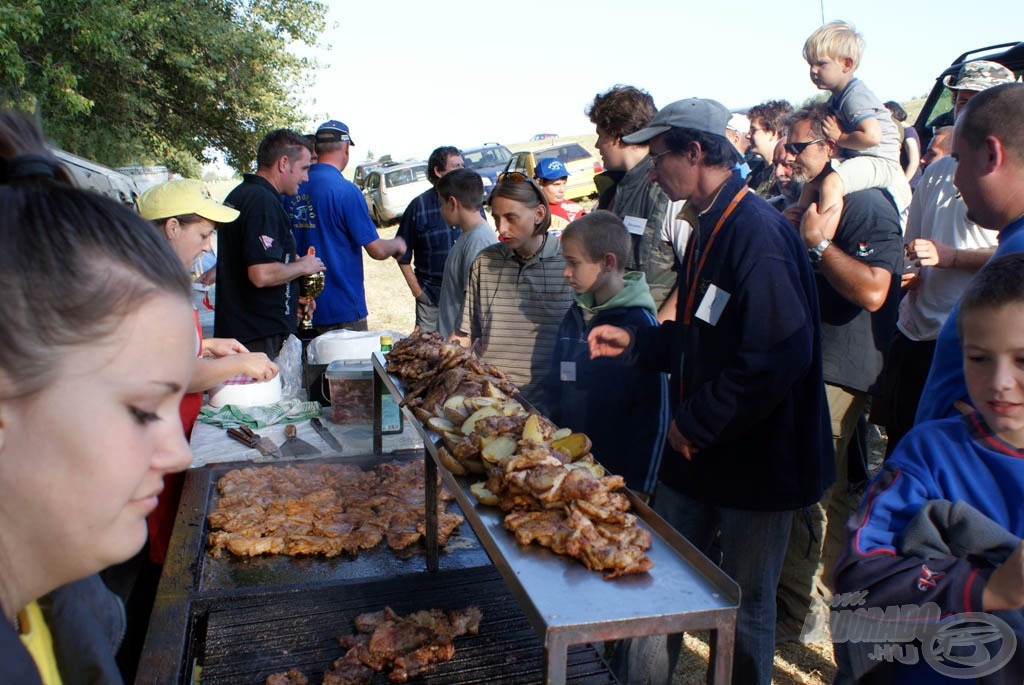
{"x":455,"y":409}
{"x":450,"y":462}
{"x":499,"y":450}
{"x":491,"y":390}
{"x":574,"y":445}
{"x":483,"y":495}
{"x":470,"y":423}
{"x":440,"y":424}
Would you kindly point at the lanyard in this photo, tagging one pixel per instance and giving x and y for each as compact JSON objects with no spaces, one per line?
{"x":692,"y":285}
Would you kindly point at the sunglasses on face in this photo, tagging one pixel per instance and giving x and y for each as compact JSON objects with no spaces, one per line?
{"x":797,"y":148}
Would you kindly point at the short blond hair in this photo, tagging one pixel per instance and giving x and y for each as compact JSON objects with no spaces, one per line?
{"x":835,"y":40}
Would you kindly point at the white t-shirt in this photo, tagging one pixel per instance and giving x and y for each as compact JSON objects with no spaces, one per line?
{"x":937,"y":213}
{"x":676,"y":231}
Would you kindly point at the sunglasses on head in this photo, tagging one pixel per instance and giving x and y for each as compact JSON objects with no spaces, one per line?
{"x":520,"y":177}
{"x":797,"y":148}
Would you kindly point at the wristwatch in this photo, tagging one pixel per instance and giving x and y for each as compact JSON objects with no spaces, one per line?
{"x":818,"y":250}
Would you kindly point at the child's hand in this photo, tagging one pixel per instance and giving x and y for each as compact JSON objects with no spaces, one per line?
{"x":1005,"y":588}
{"x":256,"y":366}
{"x":222,"y":347}
{"x":831,"y":128}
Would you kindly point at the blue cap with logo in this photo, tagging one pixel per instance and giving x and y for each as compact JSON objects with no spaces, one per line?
{"x":333,"y":131}
{"x":550,"y":169}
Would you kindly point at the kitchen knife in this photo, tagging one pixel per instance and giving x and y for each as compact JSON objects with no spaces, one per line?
{"x":325,"y":433}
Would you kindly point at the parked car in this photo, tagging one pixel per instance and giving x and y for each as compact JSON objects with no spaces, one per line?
{"x":363,"y":170}
{"x":488,"y":161}
{"x":104,"y":180}
{"x":389,"y":189}
{"x":938,"y":107}
{"x":581,"y":163}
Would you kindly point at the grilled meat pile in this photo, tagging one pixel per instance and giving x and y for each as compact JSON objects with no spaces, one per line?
{"x":325,"y":509}
{"x":404,"y":646}
{"x":544,"y":477}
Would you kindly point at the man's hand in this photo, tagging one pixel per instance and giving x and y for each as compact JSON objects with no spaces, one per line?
{"x":815,"y":226}
{"x":307,"y":305}
{"x":930,"y":253}
{"x":680,"y":444}
{"x":608,"y":341}
{"x":1005,"y":588}
{"x":257,"y":366}
{"x":400,"y":247}
{"x":310,"y":264}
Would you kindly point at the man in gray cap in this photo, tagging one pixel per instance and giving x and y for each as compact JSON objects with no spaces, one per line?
{"x":944,"y":250}
{"x":750,"y":441}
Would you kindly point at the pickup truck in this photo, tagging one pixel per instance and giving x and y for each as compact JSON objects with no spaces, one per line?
{"x":938,"y":107}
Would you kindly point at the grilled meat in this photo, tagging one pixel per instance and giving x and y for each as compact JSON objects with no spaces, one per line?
{"x":322,"y":509}
{"x":292,"y":677}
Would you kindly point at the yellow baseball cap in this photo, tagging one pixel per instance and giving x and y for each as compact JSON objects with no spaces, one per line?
{"x":181,"y":197}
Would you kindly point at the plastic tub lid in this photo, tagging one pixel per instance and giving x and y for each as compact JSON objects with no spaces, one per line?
{"x":349,"y":369}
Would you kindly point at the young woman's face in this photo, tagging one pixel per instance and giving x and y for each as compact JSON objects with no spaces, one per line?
{"x":82,"y":461}
{"x":993,"y":343}
{"x":516,"y":223}
{"x":189,"y":240}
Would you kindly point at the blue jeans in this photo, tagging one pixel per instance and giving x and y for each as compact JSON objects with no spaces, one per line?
{"x":752,"y":547}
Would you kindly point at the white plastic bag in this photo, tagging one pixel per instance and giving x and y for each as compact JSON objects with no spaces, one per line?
{"x":289,"y":366}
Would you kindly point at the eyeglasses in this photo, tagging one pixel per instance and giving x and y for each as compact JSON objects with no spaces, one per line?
{"x":655,"y":156}
{"x":798,"y":148}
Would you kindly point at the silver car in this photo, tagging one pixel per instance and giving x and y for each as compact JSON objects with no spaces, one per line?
{"x":389,"y":190}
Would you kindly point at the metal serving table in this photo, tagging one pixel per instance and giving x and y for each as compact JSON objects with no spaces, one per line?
{"x":568,"y":604}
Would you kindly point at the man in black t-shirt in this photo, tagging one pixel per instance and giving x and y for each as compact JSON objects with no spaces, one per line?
{"x":858,"y":259}
{"x":257,"y":296}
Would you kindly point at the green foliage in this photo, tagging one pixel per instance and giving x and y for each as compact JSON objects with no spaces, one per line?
{"x":157,"y":81}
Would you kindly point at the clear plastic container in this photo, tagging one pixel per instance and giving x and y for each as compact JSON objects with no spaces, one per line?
{"x":350,"y":388}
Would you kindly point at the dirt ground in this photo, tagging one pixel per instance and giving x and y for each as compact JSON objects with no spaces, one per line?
{"x":391,"y":306}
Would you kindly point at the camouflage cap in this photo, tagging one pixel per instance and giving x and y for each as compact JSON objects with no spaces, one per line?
{"x":979,"y":75}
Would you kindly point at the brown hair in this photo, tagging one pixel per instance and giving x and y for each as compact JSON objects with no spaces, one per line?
{"x":599,"y":233}
{"x":521,"y":188}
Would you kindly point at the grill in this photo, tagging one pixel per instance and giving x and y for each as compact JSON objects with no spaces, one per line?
{"x":244,"y":639}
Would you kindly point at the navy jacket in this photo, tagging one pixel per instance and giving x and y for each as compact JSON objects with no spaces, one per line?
{"x":749,"y":393}
{"x":622,"y":408}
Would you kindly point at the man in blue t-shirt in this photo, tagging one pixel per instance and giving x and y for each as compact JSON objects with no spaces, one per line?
{"x":330,"y":214}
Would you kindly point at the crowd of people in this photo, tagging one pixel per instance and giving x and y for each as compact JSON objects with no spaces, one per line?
{"x":749,"y":291}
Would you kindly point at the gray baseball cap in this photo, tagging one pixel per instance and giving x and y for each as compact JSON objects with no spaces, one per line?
{"x":699,"y":114}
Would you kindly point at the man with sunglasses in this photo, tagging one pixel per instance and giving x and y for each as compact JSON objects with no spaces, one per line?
{"x":749,"y":439}
{"x":858,"y":259}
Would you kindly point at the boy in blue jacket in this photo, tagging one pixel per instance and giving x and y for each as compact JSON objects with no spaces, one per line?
{"x":940,"y":526}
{"x":622,"y":408}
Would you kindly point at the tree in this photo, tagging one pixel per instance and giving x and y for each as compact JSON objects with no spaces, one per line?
{"x":157,"y":81}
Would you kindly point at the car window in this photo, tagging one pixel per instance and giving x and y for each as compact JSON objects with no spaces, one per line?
{"x":943,"y":105}
{"x":565,"y":153}
{"x":373,"y":181}
{"x":486,"y":157}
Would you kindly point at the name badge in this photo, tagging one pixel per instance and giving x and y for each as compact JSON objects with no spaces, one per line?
{"x":568,"y":372}
{"x":712,"y":305}
{"x":635,"y":224}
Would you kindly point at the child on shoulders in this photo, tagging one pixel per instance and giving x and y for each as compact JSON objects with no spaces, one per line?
{"x":861,"y":126}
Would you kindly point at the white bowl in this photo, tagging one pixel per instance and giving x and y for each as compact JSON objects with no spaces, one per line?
{"x":245,"y":392}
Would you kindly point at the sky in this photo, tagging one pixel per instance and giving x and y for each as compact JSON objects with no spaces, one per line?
{"x":407,"y":76}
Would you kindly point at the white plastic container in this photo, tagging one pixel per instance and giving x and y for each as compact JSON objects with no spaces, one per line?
{"x":346,"y":345}
{"x":245,"y":392}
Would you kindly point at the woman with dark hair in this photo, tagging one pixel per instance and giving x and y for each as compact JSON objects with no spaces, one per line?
{"x":517,"y":296}
{"x":96,"y":350}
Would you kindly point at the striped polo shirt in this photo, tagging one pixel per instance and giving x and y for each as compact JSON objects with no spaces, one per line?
{"x":513,"y":310}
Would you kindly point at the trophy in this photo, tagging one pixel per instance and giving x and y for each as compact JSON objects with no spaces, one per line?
{"x":310,"y":286}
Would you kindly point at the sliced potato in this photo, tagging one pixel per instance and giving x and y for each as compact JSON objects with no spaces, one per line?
{"x":473,"y":464}
{"x":440,"y":424}
{"x":574,"y":445}
{"x":499,"y":450}
{"x":561,"y":433}
{"x":483,"y":495}
{"x":450,"y":462}
{"x":470,"y":423}
{"x":595,"y":469}
{"x":422,"y":414}
{"x":532,"y":429}
{"x":512,"y":408}
{"x":492,"y":390}
{"x":481,"y":402}
{"x":455,"y":409}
